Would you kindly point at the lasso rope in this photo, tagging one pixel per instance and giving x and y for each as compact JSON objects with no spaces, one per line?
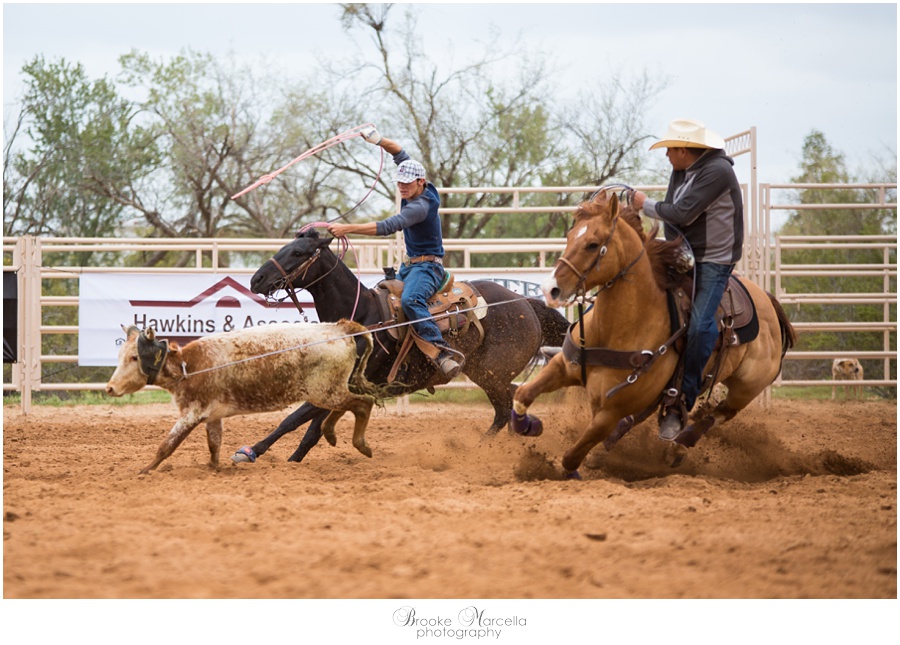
{"x":343,"y":136}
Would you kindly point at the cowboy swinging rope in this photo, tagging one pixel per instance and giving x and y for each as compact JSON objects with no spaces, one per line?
{"x":345,"y":243}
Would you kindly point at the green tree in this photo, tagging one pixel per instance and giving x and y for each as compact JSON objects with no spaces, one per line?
{"x":76,"y":132}
{"x":823,"y":165}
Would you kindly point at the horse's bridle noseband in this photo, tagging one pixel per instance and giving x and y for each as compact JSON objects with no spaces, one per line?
{"x":287,"y":281}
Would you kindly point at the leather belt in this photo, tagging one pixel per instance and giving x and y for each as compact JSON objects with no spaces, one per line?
{"x":426,"y":258}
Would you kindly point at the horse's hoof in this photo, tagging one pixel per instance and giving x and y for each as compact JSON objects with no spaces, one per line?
{"x":573,"y":475}
{"x":525,"y":425}
{"x":692,"y":434}
{"x":244,"y":455}
{"x":675,"y":454}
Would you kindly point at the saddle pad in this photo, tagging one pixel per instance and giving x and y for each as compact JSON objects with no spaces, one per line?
{"x":736,"y":305}
{"x":746,"y":322}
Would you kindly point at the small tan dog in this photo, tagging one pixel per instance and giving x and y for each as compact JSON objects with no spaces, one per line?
{"x":847,"y":369}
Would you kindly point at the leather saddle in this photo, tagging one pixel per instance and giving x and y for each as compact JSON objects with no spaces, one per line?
{"x":455,"y":307}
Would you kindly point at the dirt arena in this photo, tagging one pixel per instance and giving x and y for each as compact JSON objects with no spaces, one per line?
{"x":799,"y":501}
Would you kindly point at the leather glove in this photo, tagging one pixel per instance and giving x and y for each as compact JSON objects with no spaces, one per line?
{"x":370,"y":134}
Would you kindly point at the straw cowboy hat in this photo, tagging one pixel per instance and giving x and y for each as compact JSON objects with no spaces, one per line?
{"x":687,"y":133}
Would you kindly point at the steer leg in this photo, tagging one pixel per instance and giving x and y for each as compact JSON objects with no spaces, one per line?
{"x":362,"y":410}
{"x":214,"y":441}
{"x":177,"y":434}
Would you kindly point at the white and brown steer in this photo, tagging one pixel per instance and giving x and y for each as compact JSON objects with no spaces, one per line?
{"x":260,"y":369}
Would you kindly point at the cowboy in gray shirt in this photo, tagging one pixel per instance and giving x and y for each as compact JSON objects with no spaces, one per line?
{"x":703,"y":204}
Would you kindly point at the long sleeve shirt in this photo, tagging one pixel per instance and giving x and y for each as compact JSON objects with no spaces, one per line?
{"x":705,"y":204}
{"x":418,"y":219}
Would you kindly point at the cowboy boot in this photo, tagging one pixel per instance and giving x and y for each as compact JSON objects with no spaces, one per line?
{"x":449,"y":365}
{"x":672,"y":424}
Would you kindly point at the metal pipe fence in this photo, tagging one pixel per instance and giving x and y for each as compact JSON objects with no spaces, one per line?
{"x":38,"y":262}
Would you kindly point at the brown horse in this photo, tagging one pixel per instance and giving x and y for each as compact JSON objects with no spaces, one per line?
{"x":608,"y":250}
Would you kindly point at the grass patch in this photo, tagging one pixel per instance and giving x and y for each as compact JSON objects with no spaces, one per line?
{"x":449,"y":395}
{"x":815,"y":393}
{"x":89,"y":397}
{"x":470,"y":396}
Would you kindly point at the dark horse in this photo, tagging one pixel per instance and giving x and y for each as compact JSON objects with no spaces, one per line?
{"x":514,"y":331}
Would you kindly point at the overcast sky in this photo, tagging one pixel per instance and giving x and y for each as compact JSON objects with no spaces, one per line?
{"x":784,"y":68}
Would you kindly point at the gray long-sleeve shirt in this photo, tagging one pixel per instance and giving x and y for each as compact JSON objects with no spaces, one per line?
{"x":705,"y":204}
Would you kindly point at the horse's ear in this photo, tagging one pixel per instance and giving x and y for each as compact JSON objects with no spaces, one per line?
{"x":130,"y":331}
{"x":613,"y":206}
{"x":599,"y":198}
{"x":324,"y":242}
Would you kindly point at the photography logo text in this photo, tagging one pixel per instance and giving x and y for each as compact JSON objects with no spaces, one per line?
{"x":469,"y":622}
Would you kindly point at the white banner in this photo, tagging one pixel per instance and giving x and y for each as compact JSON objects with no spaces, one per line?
{"x":180,"y":307}
{"x":183,"y":307}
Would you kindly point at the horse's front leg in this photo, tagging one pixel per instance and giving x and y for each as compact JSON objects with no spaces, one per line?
{"x":602,"y":424}
{"x":553,"y":376}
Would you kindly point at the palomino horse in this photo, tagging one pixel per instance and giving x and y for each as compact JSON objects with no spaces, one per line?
{"x":608,"y":249}
{"x":514,"y":330}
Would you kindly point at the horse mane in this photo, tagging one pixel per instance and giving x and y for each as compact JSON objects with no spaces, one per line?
{"x":663,"y":254}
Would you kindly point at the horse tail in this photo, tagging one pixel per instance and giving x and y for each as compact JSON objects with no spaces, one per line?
{"x":788,"y":333}
{"x":554,"y":325}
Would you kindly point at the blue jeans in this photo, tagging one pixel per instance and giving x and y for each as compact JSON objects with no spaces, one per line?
{"x":711,"y":280}
{"x":421,"y":282}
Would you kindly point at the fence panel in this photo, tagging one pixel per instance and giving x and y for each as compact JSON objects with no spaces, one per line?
{"x":36,"y":263}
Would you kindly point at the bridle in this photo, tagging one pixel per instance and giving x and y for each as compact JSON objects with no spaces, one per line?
{"x":287,"y":279}
{"x":580,"y":291}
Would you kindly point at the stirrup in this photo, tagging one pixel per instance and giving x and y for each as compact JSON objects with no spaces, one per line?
{"x":671,"y":425}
